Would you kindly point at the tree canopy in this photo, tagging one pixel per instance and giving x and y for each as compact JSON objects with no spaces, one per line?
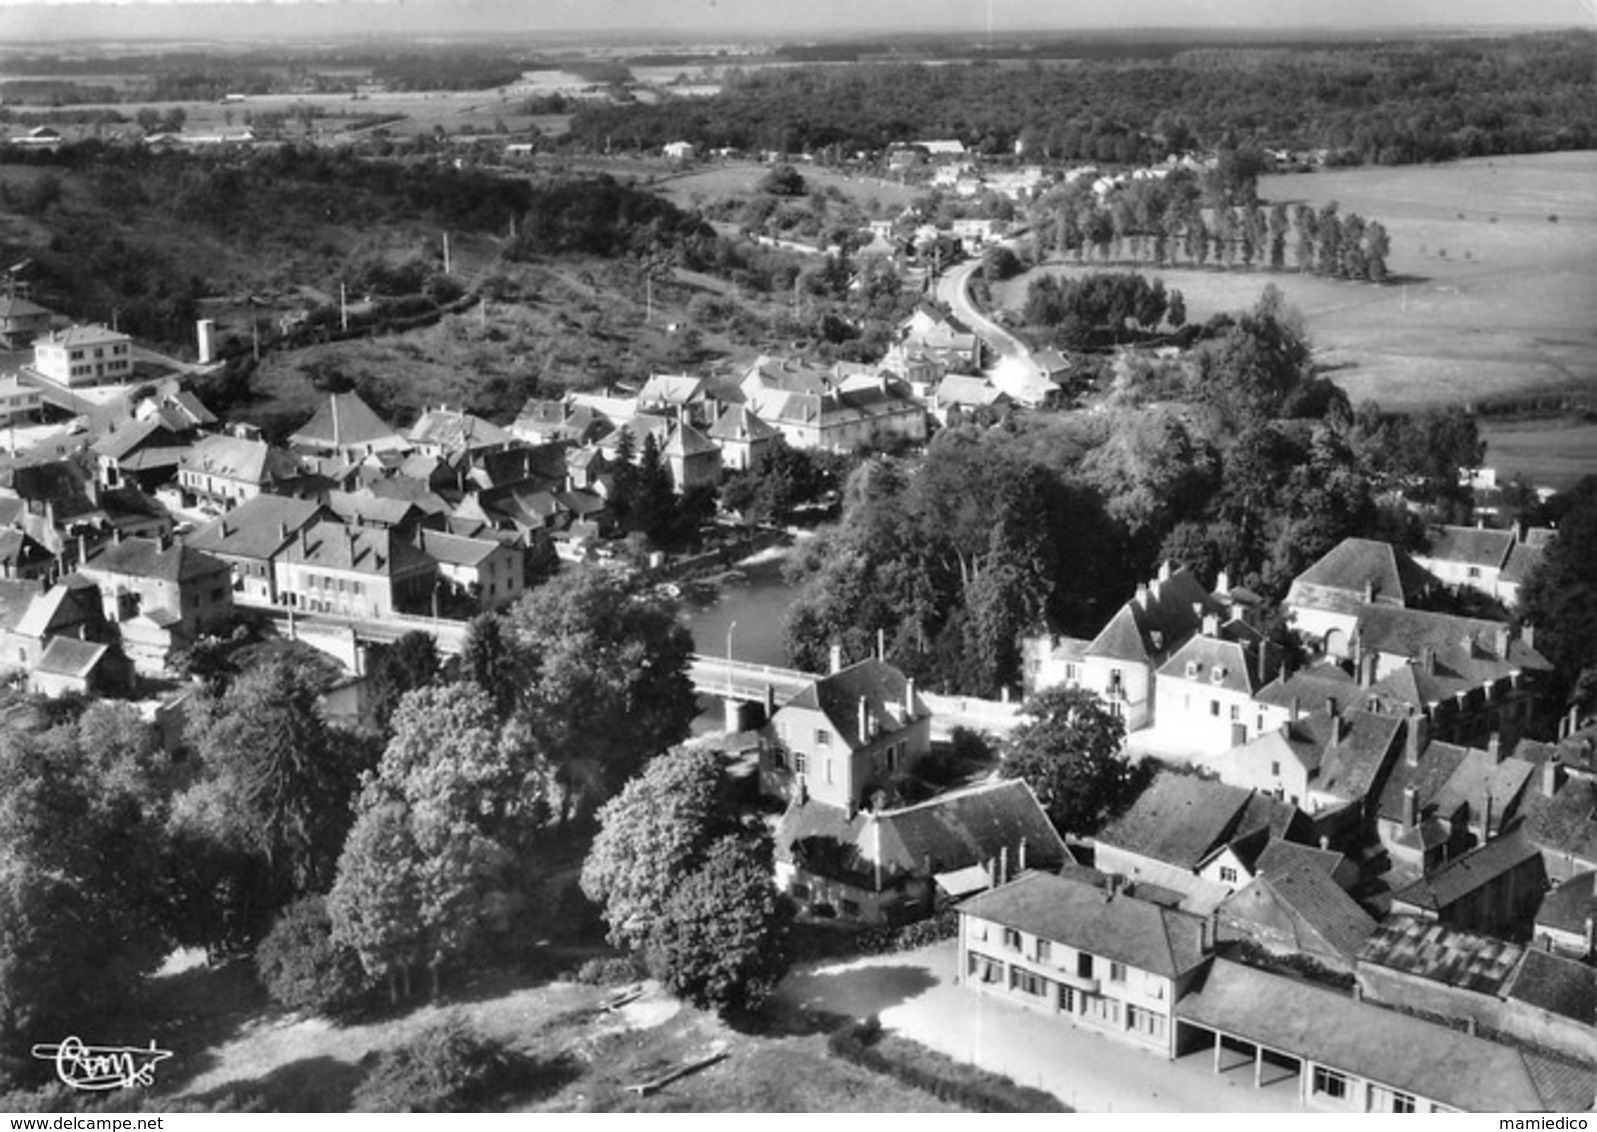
{"x":1069,"y":751}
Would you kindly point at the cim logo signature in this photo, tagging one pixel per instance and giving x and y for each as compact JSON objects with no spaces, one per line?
{"x":102,"y":1067}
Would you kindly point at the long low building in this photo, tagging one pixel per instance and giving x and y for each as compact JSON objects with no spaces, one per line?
{"x":1351,"y":1056}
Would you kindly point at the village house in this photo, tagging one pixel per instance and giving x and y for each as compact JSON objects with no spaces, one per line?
{"x":1325,"y":601}
{"x":146,"y":453}
{"x":19,"y":401}
{"x":1492,"y":888}
{"x":838,"y":411}
{"x":83,"y":355}
{"x":894,"y":865}
{"x":844,"y":736}
{"x":34,"y":613}
{"x":483,"y":573}
{"x":24,"y":557}
{"x":345,"y":428}
{"x":183,"y":592}
{"x":1294,"y":907}
{"x":959,"y":396}
{"x":68,"y":666}
{"x":223,"y":471}
{"x":678,"y":396}
{"x":21,"y":321}
{"x":1492,"y":563}
{"x":1121,"y":662}
{"x":1098,"y":958}
{"x":1195,"y":838}
{"x":249,"y":539}
{"x":454,"y":434}
{"x":354,"y":572}
{"x":1205,"y":692}
{"x":1566,"y":922}
{"x":743,"y":437}
{"x":1560,"y":819}
{"x":552,"y":421}
{"x":939,"y":335}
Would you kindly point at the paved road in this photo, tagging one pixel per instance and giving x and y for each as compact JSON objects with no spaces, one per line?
{"x":1009,"y":352}
{"x":914,"y":994}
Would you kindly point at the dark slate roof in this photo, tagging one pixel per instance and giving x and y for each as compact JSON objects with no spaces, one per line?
{"x":1215,"y":663}
{"x":254,"y":529}
{"x":1566,"y":822}
{"x":1309,"y":687}
{"x":18,"y":549}
{"x":1281,"y":856}
{"x":1557,"y":985}
{"x":239,"y":458}
{"x":366,"y":550}
{"x":1468,"y":872}
{"x":147,"y":558}
{"x":1341,"y":579}
{"x":455,"y":430}
{"x":1304,"y":903}
{"x":1479,"y":776}
{"x":354,"y":425}
{"x":1150,"y":625}
{"x":1180,"y":819}
{"x":686,"y":441}
{"x":1350,"y":767}
{"x":1114,"y":926}
{"x":456,"y":550}
{"x":1568,"y":907}
{"x":127,"y":437}
{"x":1434,"y":767}
{"x":738,"y":422}
{"x":953,"y":831}
{"x":1382,"y":1045}
{"x":1426,"y":949}
{"x":369,"y":507}
{"x":883,"y":688}
{"x":15,"y":599}
{"x":68,"y":656}
{"x":1470,"y":546}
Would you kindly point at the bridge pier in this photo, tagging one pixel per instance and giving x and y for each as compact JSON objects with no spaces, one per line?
{"x":741,"y":715}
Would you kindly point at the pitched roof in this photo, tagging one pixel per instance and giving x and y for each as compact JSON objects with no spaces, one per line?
{"x":1427,"y":949}
{"x":121,"y":439}
{"x":1114,"y":926}
{"x":240,"y":458}
{"x":369,"y":507}
{"x":1280,"y":856}
{"x":1469,"y":546}
{"x":961,"y":829}
{"x":364,"y":550}
{"x":455,"y":430}
{"x":1357,"y":570}
{"x":1479,"y":776}
{"x":1566,"y":822}
{"x":15,"y":599}
{"x":1351,"y":764}
{"x":68,"y":656}
{"x":147,"y":558}
{"x":1180,"y":819}
{"x":1302,"y":902}
{"x":1308,"y":687}
{"x":1568,"y":907}
{"x":455,"y":550}
{"x":343,"y":422}
{"x":1430,"y":772}
{"x":1382,"y":1045}
{"x":685,"y":441}
{"x":882,"y":688}
{"x":963,"y":390}
{"x":18,"y":549}
{"x":1557,"y":985}
{"x":1156,"y":620}
{"x":93,"y":335}
{"x":257,"y":528}
{"x":1468,"y":872}
{"x":739,"y":422}
{"x":1215,"y":663}
{"x":671,"y":389}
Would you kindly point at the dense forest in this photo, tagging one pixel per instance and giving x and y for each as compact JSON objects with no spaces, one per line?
{"x":1386,"y":104}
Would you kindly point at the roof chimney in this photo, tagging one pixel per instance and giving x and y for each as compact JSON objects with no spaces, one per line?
{"x":1020,"y":857}
{"x":909,"y":698}
{"x":1552,"y":776}
{"x":1411,"y":807}
{"x":1428,"y":658}
{"x":1165,"y":569}
{"x":1142,"y":595}
{"x":1369,"y":591}
{"x":1211,"y":624}
{"x":836,"y":659}
{"x":864,"y":722}
{"x":1414,"y":740}
{"x":1494,"y":748}
{"x":1222,"y":583}
{"x":1486,"y":818}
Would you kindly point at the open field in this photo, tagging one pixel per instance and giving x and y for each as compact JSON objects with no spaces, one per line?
{"x":1552,"y":453}
{"x":739,"y":178}
{"x":1495,"y":299}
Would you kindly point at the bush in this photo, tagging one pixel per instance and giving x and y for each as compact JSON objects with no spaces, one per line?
{"x":448,"y":1067}
{"x":863,"y":1044}
{"x":609,"y":971}
{"x":303,"y":968}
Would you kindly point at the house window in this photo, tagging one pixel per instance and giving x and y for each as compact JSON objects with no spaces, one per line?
{"x":800,"y":763}
{"x":1028,"y":982}
{"x":1099,"y":1008}
{"x":1083,"y":965}
{"x":850,"y":907}
{"x":1228,"y":875}
{"x":1117,"y":972}
{"x":1390,"y":1100}
{"x":1146,"y":1022}
{"x":1329,"y":1082}
{"x":1214,"y":708}
{"x":823,"y":737}
{"x":985,"y":970}
{"x":1012,"y":939}
{"x":1045,"y":951}
{"x":1275,"y":769}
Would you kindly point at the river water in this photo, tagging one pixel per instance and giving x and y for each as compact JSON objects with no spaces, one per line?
{"x":748,"y":611}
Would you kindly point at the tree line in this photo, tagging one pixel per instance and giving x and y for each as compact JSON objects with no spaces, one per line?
{"x":1375,"y":103}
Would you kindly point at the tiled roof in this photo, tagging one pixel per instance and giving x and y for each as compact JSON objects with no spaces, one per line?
{"x":15,"y":599}
{"x":94,"y":335}
{"x":685,"y":441}
{"x":1568,"y":907}
{"x":147,"y":558}
{"x":1350,"y":766}
{"x":1435,"y":765}
{"x":1384,"y":1046}
{"x":1303,"y":902}
{"x":1522,"y":559}
{"x":1429,"y":950}
{"x":1308,"y":687}
{"x":257,"y":528}
{"x":961,"y":390}
{"x":1557,"y":985}
{"x":345,"y":421}
{"x":883,"y":689}
{"x":1180,"y":819}
{"x":457,"y":551}
{"x":1151,"y":624}
{"x":369,"y":507}
{"x":1110,"y":925}
{"x":1355,"y":568}
{"x":1470,"y":546}
{"x":126,"y":437}
{"x":456,"y":431}
{"x":1479,"y":776}
{"x":1280,"y":856}
{"x":1468,"y":872}
{"x":738,"y":422}
{"x":671,"y":389}
{"x":18,"y":549}
{"x":1566,"y":822}
{"x":68,"y":656}
{"x":365,"y":550}
{"x":1214,"y":663}
{"x":242,"y":459}
{"x":953,"y":831}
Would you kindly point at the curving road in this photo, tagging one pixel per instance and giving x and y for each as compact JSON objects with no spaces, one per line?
{"x":1007,"y":350}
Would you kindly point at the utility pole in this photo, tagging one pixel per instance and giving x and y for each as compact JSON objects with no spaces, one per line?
{"x":343,"y":307}
{"x":446,"y":254}
{"x":255,"y":335}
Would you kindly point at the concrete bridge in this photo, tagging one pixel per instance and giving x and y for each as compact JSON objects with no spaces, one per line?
{"x":751,"y":692}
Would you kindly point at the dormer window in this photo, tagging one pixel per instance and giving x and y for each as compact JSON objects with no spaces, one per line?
{"x":1217,"y":673}
{"x":1193,"y":668}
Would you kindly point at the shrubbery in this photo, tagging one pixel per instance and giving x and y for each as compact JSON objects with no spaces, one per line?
{"x":448,"y":1067}
{"x":975,"y":1089}
{"x":303,"y":968}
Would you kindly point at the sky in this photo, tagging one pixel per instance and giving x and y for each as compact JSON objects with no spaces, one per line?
{"x":73,"y":19}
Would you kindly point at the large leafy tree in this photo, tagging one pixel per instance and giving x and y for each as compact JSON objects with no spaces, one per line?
{"x":1560,"y":597}
{"x":721,"y":940}
{"x":1069,"y":749}
{"x":409,"y":663}
{"x":653,"y":834}
{"x":604,"y":679}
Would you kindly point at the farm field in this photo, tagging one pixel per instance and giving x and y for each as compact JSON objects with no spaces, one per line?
{"x":1552,"y":453}
{"x":1492,"y":297}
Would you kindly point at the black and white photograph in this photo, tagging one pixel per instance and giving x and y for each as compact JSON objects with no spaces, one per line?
{"x":738,"y":556}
